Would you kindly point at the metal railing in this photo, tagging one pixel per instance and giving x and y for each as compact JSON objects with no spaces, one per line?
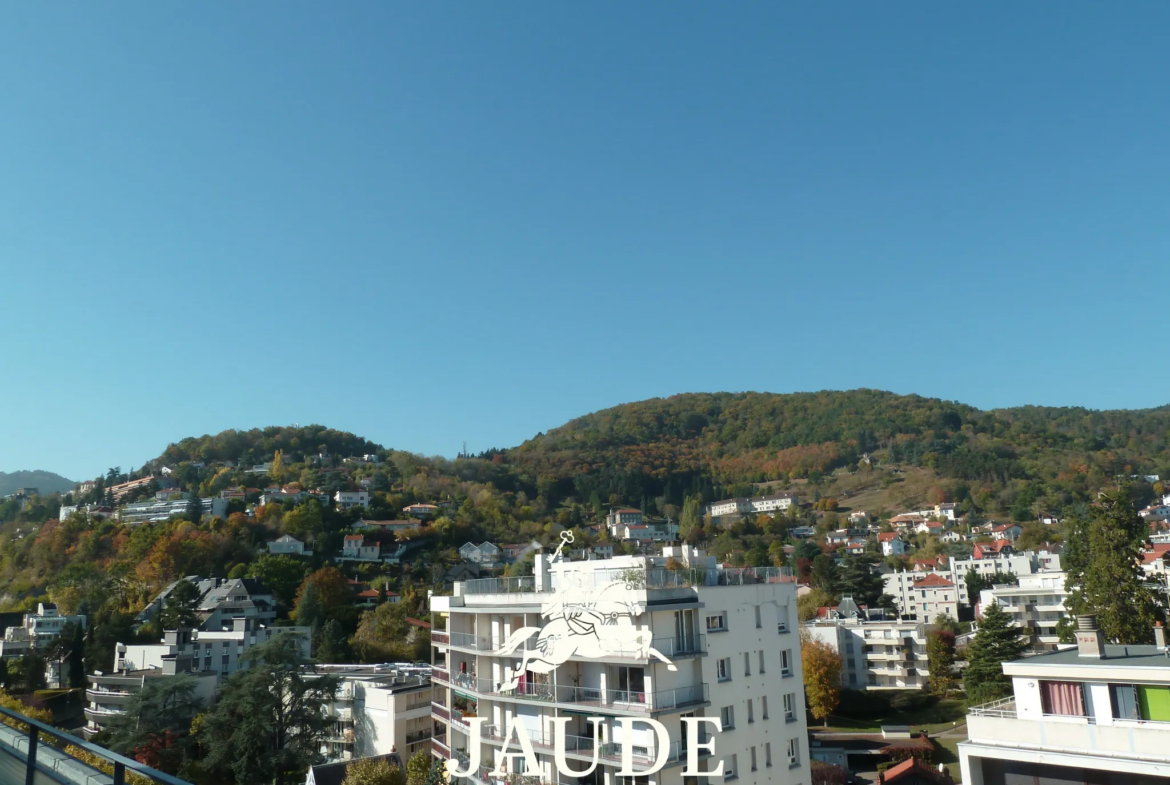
{"x":418,"y":735}
{"x":629,"y":700}
{"x":1005,"y":707}
{"x":38,"y":754}
{"x":635,"y":578}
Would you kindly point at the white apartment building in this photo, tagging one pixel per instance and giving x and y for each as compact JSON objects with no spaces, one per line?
{"x":1036,"y":605}
{"x":923,"y":595}
{"x":108,"y":693}
{"x":347,"y":499}
{"x":219,"y":651}
{"x":288,"y":544}
{"x":157,"y":510}
{"x":379,"y":709}
{"x":1024,"y":563}
{"x":617,"y":520}
{"x":875,"y":655}
{"x":730,"y":636}
{"x":37,"y":630}
{"x":754,"y":505}
{"x":1096,"y":713}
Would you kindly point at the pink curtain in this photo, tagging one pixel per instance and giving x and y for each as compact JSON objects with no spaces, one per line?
{"x":1062,"y":697}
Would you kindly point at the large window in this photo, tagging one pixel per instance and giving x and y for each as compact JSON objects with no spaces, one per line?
{"x":1124,"y":699}
{"x":1154,"y":702}
{"x":1062,"y":697}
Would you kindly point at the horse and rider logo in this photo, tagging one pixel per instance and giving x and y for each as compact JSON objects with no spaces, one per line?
{"x":584,"y":618}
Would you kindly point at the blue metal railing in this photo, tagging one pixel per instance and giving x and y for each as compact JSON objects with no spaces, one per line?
{"x":53,"y":756}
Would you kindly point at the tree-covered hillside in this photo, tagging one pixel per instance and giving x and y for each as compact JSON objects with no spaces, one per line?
{"x":44,"y":482}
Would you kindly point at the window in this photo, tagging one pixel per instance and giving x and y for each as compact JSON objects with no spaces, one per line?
{"x":759,"y":623}
{"x":767,"y":753}
{"x":727,"y":717}
{"x":747,"y":664}
{"x":717,"y":623}
{"x":790,"y":707}
{"x":761,"y":660}
{"x":730,"y":767}
{"x":785,"y":662}
{"x":751,"y":711}
{"x":794,"y":752}
{"x":1123,"y":698}
{"x":723,"y":669}
{"x":764,"y":706}
{"x":1062,"y":697}
{"x":753,"y":758}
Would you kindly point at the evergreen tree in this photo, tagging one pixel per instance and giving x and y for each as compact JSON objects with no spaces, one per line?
{"x":155,"y":726}
{"x":824,"y":574}
{"x":857,"y":577}
{"x":194,"y":506}
{"x":1102,"y":562}
{"x":269,"y":719}
{"x":310,"y":609}
{"x":996,"y":642}
{"x":180,"y":608}
{"x":691,"y":517}
{"x":940,"y":653}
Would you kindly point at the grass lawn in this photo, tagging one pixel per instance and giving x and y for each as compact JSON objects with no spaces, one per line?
{"x":933,"y":719}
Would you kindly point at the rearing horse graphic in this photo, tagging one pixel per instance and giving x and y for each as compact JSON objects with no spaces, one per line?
{"x":589,"y":623}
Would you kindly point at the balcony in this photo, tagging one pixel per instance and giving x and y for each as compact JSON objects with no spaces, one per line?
{"x":998,"y":725}
{"x":419,"y":735}
{"x":439,"y":711}
{"x":27,"y":756}
{"x":626,"y":701}
{"x":585,"y":746}
{"x":107,"y":697}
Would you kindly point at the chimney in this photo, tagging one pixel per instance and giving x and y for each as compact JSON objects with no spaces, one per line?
{"x":1159,"y":636}
{"x":1089,"y":640}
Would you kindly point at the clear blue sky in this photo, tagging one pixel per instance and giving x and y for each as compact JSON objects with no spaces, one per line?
{"x":430,"y":222}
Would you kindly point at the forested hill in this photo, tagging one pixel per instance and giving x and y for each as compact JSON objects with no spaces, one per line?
{"x":720,"y":442}
{"x":44,"y":482}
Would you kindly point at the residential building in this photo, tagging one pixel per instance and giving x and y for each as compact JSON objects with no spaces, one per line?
{"x":108,"y":693}
{"x":155,"y":510}
{"x":1036,"y":604}
{"x":993,"y":549}
{"x":923,"y":595}
{"x":379,"y":709}
{"x":616,"y":520}
{"x":930,"y":527}
{"x":906,"y":521}
{"x":1097,"y":713}
{"x":37,"y":630}
{"x":1156,"y":512}
{"x":951,"y":536}
{"x":657,"y":531}
{"x":90,"y":511}
{"x":484,"y":554}
{"x":347,"y":499}
{"x":1006,"y":531}
{"x":355,"y":548}
{"x":753,"y":506}
{"x":122,"y":490}
{"x":891,"y":544}
{"x":87,"y":486}
{"x":729,"y":635}
{"x":876,"y":655}
{"x":221,"y":651}
{"x":990,"y":563}
{"x":389,"y":526}
{"x":221,"y":601}
{"x":421,"y":510}
{"x":170,"y":494}
{"x":859,"y":518}
{"x":288,"y":544}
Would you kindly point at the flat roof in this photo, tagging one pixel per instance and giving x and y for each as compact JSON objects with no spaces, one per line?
{"x":1139,"y":656}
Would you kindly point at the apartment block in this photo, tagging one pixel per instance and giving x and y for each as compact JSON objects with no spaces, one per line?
{"x":1036,"y":605}
{"x":645,"y":643}
{"x":379,"y":709}
{"x":157,"y":510}
{"x":876,"y":655}
{"x":1097,"y":713}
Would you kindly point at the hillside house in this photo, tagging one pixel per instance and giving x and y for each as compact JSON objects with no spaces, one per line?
{"x":421,"y":510}
{"x":1006,"y":531}
{"x":290,"y":545}
{"x":891,"y":544}
{"x":355,"y":548}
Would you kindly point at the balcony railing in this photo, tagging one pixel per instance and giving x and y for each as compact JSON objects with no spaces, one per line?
{"x":439,"y":637}
{"x":440,"y":711}
{"x":623,"y":700}
{"x":34,"y":751}
{"x":636,"y":578}
{"x":1005,"y":707}
{"x":418,"y":735}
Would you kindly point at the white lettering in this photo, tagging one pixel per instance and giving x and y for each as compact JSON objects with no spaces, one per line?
{"x":504,"y":758}
{"x":476,"y":724}
{"x":662,"y":744}
{"x":559,"y":724}
{"x":693,"y":746}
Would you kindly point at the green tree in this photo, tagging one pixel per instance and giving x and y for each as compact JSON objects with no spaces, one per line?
{"x":156,"y":723}
{"x":310,"y":609}
{"x":940,"y":654}
{"x":822,"y":678}
{"x":305,"y":522}
{"x":281,"y":574}
{"x":996,"y":642}
{"x":418,"y":767}
{"x":332,"y":643}
{"x":807,"y":604}
{"x":269,"y":719}
{"x":691,"y":517}
{"x":948,"y":623}
{"x":373,"y":771}
{"x":1102,"y":562}
{"x":181,"y":606}
{"x":824,"y":574}
{"x":857,"y":578}
{"x":194,"y":507}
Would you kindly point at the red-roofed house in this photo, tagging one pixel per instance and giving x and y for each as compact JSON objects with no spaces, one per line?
{"x":989,"y":550}
{"x":1006,"y":531}
{"x":933,"y":595}
{"x":930,"y":527}
{"x":891,"y":544}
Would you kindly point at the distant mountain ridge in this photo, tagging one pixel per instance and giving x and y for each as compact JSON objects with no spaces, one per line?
{"x":45,"y":482}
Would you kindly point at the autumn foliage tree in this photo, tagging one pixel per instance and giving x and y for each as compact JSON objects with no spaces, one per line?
{"x":822,"y":678}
